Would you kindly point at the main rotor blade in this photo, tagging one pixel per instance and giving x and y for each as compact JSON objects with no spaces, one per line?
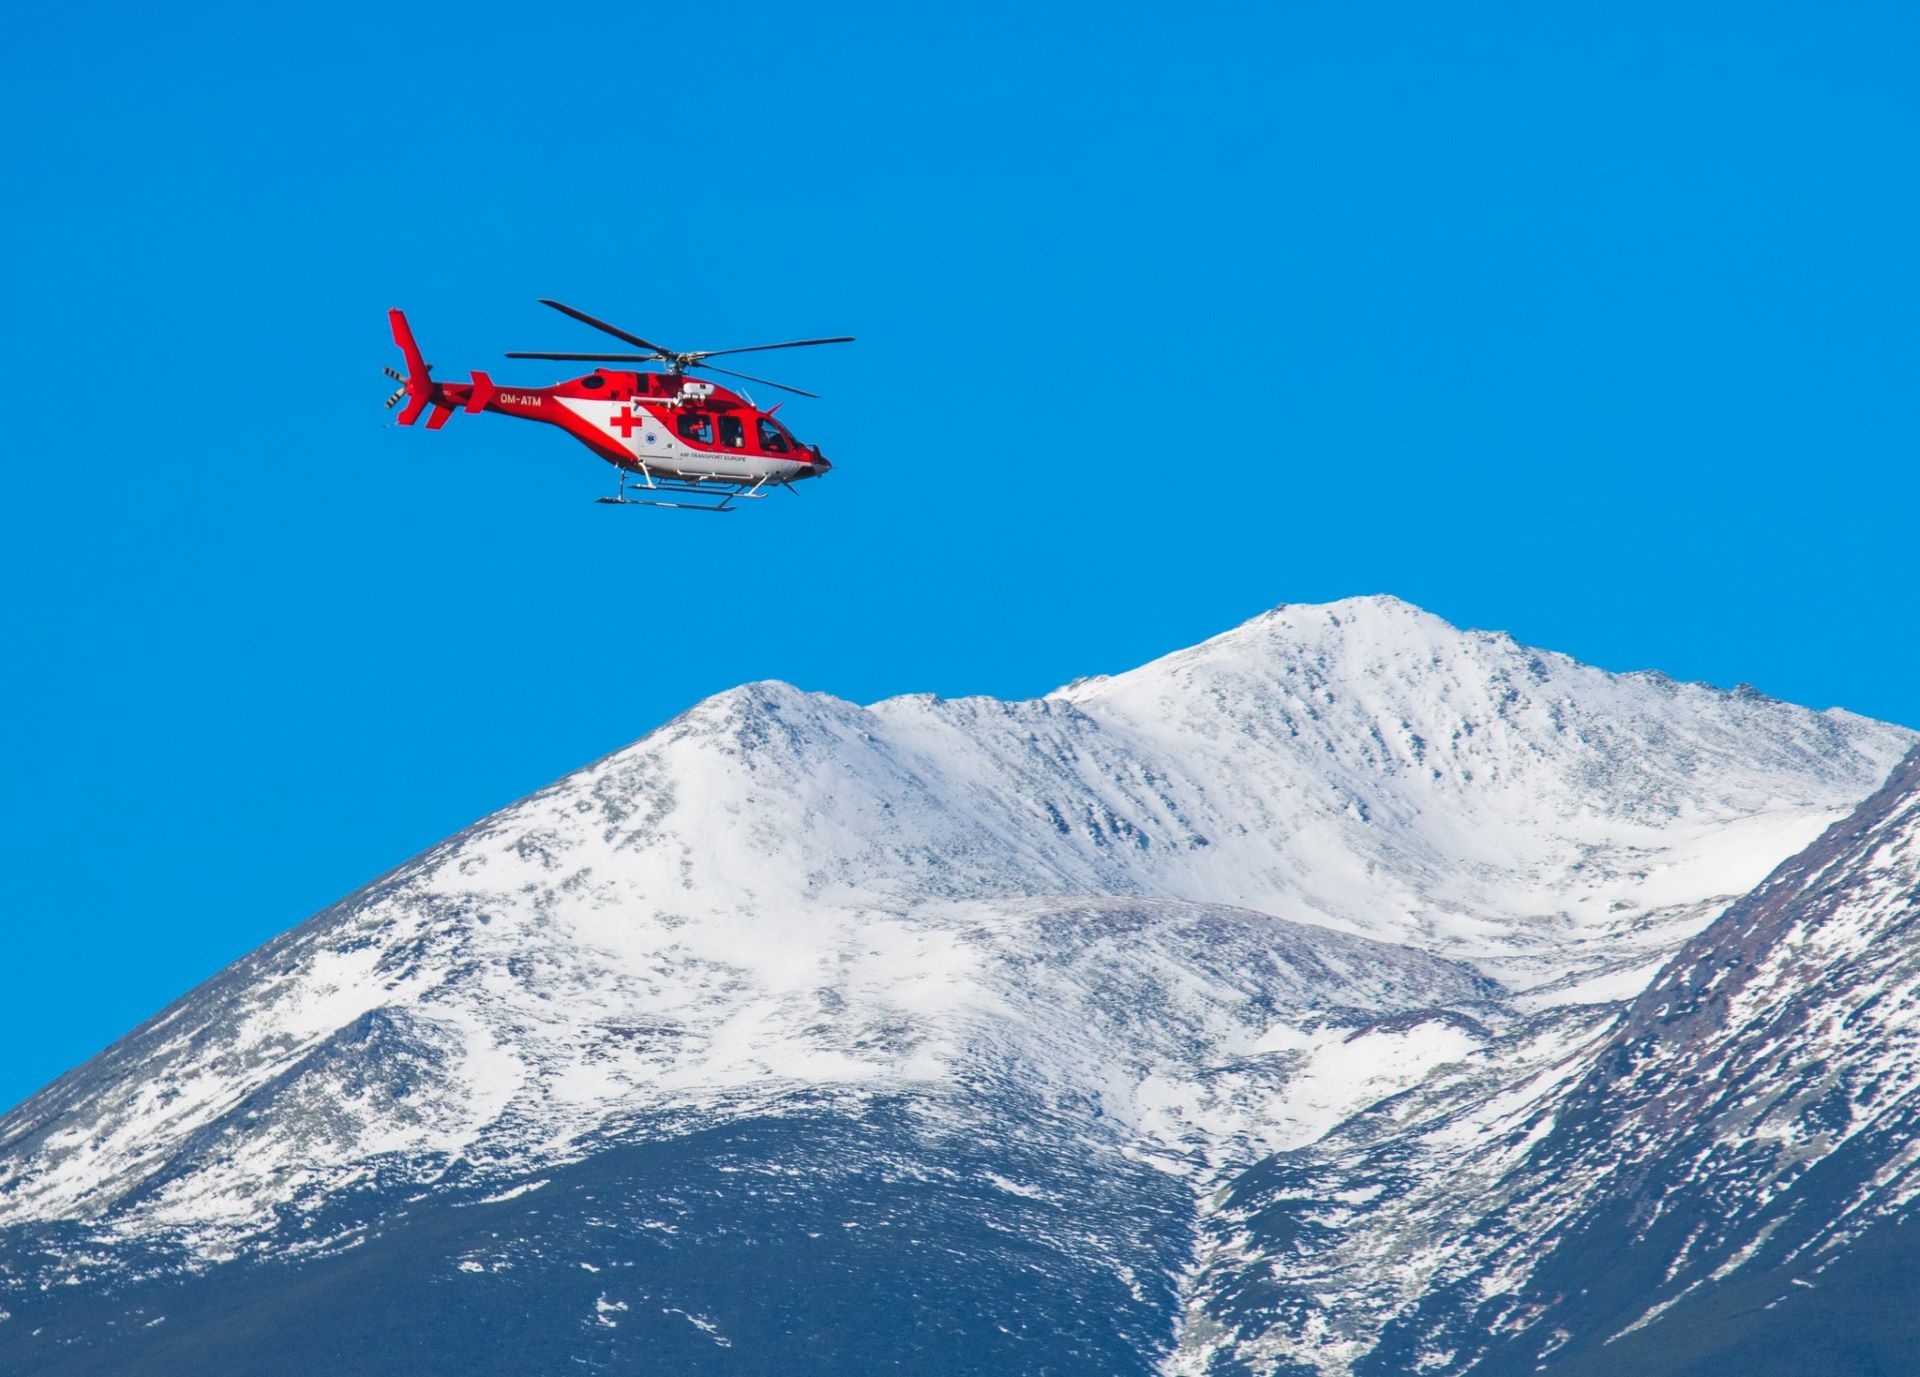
{"x":764,"y":382}
{"x":613,"y":330}
{"x":756,"y":348}
{"x":597,"y":358}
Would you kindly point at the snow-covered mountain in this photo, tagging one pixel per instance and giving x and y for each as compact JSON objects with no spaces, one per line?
{"x":1230,"y":1014}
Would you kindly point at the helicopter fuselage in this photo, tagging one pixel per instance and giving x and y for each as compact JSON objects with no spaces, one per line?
{"x":661,"y":424}
{"x":651,"y":423}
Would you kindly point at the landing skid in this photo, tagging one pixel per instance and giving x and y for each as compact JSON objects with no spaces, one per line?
{"x":729,"y":490}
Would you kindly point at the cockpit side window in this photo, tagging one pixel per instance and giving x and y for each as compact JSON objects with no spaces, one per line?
{"x":696,"y":426}
{"x":772,"y":438}
{"x":732,"y":433}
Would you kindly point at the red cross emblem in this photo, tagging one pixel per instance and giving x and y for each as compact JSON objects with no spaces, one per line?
{"x":625,"y":422}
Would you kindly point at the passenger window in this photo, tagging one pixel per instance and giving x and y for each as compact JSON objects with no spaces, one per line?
{"x":732,"y":433}
{"x":771,"y":440}
{"x":696,"y":426}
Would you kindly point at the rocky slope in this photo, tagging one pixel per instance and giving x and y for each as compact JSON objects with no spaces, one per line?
{"x":1666,"y":1196}
{"x":1748,"y":1141}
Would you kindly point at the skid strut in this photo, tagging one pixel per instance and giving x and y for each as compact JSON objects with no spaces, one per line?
{"x":728,"y":490}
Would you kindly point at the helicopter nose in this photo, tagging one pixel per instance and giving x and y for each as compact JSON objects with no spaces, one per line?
{"x":820,"y":462}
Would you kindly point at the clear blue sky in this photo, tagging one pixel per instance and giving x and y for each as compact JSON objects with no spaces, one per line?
{"x":1596,"y":327}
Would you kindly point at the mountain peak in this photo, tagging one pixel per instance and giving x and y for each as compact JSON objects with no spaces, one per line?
{"x":1293,"y":625}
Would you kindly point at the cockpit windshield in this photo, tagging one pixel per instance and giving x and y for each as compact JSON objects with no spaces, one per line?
{"x":773,"y":436}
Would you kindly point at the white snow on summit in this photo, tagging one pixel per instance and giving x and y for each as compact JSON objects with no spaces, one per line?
{"x":1368,"y":766}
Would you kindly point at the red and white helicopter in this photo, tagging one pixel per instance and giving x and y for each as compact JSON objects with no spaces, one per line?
{"x":665,"y":432}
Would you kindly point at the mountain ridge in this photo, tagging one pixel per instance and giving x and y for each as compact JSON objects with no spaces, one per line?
{"x":1295,"y":904}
